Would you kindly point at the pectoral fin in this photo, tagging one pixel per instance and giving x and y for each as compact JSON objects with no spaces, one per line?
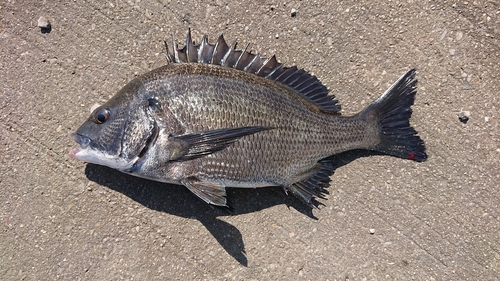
{"x":207,"y":142}
{"x":209,"y":192}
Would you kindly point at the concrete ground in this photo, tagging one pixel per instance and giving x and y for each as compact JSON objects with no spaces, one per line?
{"x":437,"y":220}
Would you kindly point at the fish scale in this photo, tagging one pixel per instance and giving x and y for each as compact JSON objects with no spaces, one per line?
{"x":217,"y":117}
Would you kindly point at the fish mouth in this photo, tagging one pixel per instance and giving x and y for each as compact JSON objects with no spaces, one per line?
{"x":87,"y":154}
{"x":83,"y":141}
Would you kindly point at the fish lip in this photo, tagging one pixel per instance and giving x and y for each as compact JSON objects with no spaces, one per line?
{"x":82,"y":140}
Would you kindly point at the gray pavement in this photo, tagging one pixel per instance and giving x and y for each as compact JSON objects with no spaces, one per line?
{"x":437,"y":220}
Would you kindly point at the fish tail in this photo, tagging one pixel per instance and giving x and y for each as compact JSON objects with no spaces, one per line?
{"x":392,"y":112}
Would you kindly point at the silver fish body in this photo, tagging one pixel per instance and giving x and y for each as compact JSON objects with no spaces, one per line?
{"x":216,"y":117}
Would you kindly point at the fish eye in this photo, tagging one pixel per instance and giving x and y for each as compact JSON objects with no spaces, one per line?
{"x":101,"y":116}
{"x":154,"y":104}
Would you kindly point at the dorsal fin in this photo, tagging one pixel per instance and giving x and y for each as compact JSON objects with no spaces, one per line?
{"x":220,"y":53}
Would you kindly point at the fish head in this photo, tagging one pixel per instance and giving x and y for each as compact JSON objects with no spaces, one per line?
{"x":120,"y":132}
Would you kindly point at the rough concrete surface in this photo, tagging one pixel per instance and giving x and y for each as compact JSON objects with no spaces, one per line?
{"x":437,"y":220}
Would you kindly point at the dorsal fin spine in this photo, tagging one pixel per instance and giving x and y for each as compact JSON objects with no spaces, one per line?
{"x":250,"y":64}
{"x":226,"y":55}
{"x":216,"y":47}
{"x":203,"y":44}
{"x":188,"y":44}
{"x":264,"y":65}
{"x":231,"y":49}
{"x":241,"y":55}
{"x":175,"y":50}
{"x":169,"y":59}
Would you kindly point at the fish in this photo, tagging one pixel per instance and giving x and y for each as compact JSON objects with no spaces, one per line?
{"x":216,"y":117}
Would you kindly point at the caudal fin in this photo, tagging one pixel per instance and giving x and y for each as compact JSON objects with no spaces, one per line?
{"x":392,"y":112}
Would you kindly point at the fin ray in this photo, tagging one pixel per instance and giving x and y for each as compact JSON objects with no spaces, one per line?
{"x":314,"y":186}
{"x":209,"y":192}
{"x":207,"y":142}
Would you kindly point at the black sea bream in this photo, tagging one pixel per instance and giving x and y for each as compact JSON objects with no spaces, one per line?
{"x":217,"y":117}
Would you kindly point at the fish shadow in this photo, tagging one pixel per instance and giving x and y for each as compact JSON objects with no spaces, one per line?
{"x":179,"y":201}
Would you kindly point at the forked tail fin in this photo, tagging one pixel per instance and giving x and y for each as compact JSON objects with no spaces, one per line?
{"x":392,"y":112}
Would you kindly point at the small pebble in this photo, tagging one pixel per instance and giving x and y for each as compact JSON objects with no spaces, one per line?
{"x":372,"y":230}
{"x":44,"y":25}
{"x":463,"y":116}
{"x":43,"y":22}
{"x":293,"y":13}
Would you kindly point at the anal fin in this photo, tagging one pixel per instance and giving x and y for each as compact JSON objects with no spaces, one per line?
{"x":211,"y":193}
{"x":314,"y":186}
